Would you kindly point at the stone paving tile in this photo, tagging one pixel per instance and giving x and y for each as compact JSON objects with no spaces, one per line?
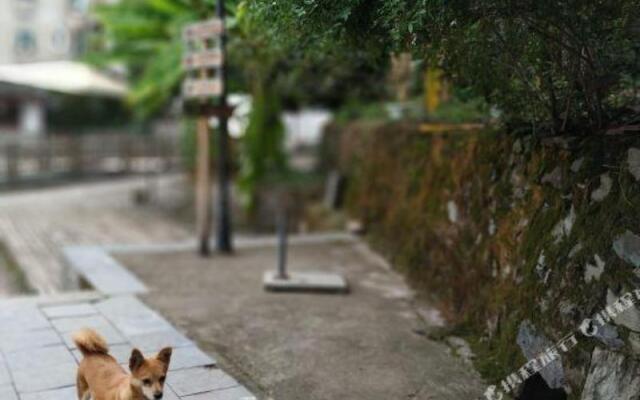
{"x":8,"y":393}
{"x":68,"y":326}
{"x":67,"y":393}
{"x":234,"y":393}
{"x":37,"y":380}
{"x":169,"y":394}
{"x":131,"y":316}
{"x":189,"y":357}
{"x":21,"y":318}
{"x":68,"y":298}
{"x":155,"y":341}
{"x":39,"y":358}
{"x":115,"y":281}
{"x":69,"y":310}
{"x":4,"y":372}
{"x":73,"y":324}
{"x":102,"y":271}
{"x":43,"y":368}
{"x":29,"y":340}
{"x":186,"y":382}
{"x":15,"y":307}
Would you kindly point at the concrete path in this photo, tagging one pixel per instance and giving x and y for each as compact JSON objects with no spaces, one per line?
{"x":35,"y":225}
{"x":38,"y":360}
{"x":369,"y":345}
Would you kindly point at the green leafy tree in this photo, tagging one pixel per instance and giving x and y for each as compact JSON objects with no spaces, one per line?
{"x":567,"y":64}
{"x":301,"y":69}
{"x":145,"y":36}
{"x":262,"y":156}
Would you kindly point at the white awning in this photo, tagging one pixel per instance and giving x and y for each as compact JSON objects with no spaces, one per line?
{"x":68,"y":77}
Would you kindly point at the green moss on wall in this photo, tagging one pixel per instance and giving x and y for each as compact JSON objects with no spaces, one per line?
{"x":496,"y":228}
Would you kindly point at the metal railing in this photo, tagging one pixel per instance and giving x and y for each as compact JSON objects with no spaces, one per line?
{"x":25,"y":159}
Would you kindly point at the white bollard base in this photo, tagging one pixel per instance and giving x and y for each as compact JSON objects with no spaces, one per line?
{"x":305,"y":282}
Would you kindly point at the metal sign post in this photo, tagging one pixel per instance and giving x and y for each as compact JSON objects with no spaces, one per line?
{"x":282,"y":244}
{"x":205,"y":63}
{"x":223,"y":236}
{"x":297,"y":281}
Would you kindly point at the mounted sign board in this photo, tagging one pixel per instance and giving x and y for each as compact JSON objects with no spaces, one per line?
{"x":207,"y":56}
{"x":203,"y":30}
{"x":199,"y":88}
{"x":205,"y":51}
{"x":202,"y":59}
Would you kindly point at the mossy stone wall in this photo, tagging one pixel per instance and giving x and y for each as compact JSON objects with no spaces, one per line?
{"x":498,"y":229}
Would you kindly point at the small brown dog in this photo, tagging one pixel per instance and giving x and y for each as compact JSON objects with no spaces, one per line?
{"x":100,"y":377}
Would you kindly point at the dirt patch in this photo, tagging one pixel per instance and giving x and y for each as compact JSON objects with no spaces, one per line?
{"x":12,"y":280}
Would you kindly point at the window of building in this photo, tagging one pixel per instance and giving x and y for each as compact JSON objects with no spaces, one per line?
{"x":25,"y":43}
{"x":60,"y":40}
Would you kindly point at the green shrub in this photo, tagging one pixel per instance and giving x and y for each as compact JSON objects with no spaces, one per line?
{"x":263,"y":155}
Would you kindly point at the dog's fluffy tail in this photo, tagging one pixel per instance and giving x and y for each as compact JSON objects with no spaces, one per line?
{"x":89,"y":342}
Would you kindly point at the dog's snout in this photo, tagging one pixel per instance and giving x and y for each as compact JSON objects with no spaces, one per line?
{"x":157,"y":396}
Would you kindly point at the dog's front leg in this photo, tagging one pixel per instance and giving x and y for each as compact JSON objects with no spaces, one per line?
{"x":82,"y":387}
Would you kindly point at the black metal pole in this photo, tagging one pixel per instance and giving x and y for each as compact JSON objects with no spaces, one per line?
{"x":283,"y":225}
{"x":224,"y":243}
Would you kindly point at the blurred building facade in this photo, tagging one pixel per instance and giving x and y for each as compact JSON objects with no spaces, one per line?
{"x":40,"y":35}
{"x":43,"y":30}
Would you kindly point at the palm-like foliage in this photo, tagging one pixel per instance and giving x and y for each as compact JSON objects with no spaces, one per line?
{"x":262,"y":156}
{"x":146,"y":37}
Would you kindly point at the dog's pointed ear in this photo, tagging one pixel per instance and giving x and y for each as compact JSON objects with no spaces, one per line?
{"x":165,"y":355}
{"x":136,"y":360}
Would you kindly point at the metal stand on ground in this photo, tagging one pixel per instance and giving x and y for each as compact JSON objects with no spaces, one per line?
{"x":282,"y":246}
{"x":282,"y":280}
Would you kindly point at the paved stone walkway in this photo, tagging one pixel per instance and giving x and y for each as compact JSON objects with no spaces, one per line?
{"x":48,"y":232}
{"x":35,"y":225}
{"x":38,"y":360}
